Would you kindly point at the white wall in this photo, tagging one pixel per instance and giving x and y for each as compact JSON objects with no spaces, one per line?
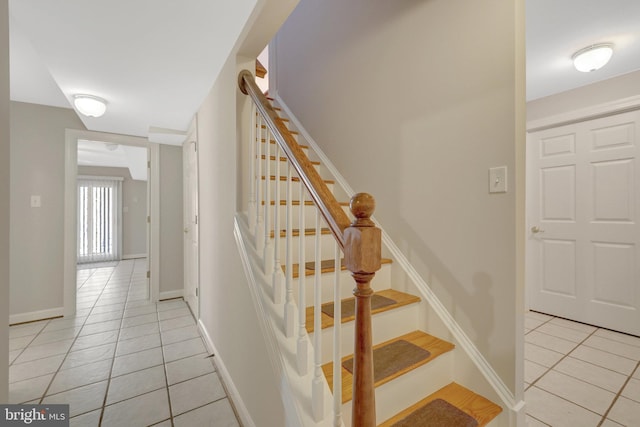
{"x":134,"y":199}
{"x":606,"y":91}
{"x":4,"y":200}
{"x":171,"y":224}
{"x":226,"y":309}
{"x":414,"y":101}
{"x":37,"y":241}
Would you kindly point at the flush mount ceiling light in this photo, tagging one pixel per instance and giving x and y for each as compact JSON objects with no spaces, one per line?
{"x":89,"y":105}
{"x":593,"y":57}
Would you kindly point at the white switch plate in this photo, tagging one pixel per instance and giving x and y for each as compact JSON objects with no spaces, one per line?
{"x":498,"y":180}
{"x":36,"y":202}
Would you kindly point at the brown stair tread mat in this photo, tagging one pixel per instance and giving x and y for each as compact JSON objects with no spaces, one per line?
{"x":348,"y":307}
{"x":392,"y":358}
{"x":438,"y":413}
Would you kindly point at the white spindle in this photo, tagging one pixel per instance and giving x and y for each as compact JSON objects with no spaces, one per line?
{"x":337,"y":338}
{"x":277,"y":276}
{"x":251,"y":207}
{"x":261,"y":210}
{"x":289,"y":307}
{"x":268,"y":244}
{"x":317,"y":394}
{"x":302,"y":350}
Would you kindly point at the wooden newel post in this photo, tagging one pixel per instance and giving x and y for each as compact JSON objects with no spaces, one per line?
{"x":362,"y":254}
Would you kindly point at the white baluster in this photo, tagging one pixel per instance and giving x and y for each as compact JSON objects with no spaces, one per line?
{"x":267,"y":255}
{"x":289,"y":307}
{"x":251,"y":207}
{"x":260,"y":224}
{"x":317,"y":390}
{"x":337,"y":339}
{"x":303,"y":347}
{"x":277,"y":278}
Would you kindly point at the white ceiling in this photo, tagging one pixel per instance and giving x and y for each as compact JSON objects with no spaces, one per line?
{"x":556,"y":29}
{"x":97,"y":153}
{"x":155,"y":61}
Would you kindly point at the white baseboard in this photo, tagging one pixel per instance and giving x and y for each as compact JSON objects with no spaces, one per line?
{"x":134,"y":256}
{"x":234,"y":395}
{"x":36,"y":315}
{"x":178,"y":293}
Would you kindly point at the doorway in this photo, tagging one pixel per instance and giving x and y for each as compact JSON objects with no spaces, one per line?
{"x":72,"y":140}
{"x":191,"y":223}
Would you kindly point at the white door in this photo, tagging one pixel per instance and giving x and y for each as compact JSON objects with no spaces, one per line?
{"x":191,"y":275}
{"x":584,"y":236}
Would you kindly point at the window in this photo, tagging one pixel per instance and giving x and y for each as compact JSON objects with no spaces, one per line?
{"x":99,"y":219}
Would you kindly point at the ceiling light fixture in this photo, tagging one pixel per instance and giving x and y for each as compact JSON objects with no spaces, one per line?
{"x":89,"y":105}
{"x":593,"y":57}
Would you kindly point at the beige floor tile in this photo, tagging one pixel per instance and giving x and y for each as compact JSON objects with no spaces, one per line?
{"x":563,"y":332}
{"x":96,"y":328}
{"x":194,"y":393}
{"x":220,"y":411}
{"x":82,"y":399}
{"x":53,"y":336}
{"x":617,"y":336}
{"x":95,"y":340}
{"x":621,"y":349}
{"x":139,"y":320}
{"x":89,"y":355}
{"x":625,"y":411}
{"x":557,"y":412}
{"x":606,"y":360}
{"x":533,"y":371}
{"x":76,"y":377}
{"x":532,"y":422}
{"x":45,"y":350}
{"x":183,"y":349}
{"x":541,"y":356}
{"x":538,"y":316}
{"x":137,"y":361}
{"x":550,"y":342}
{"x":138,"y":331}
{"x":90,"y":419}
{"x":579,"y":392}
{"x":136,"y":383}
{"x":179,"y":334}
{"x":177,"y":322}
{"x":135,"y":345}
{"x":573,"y":325}
{"x":632,"y":390}
{"x":188,"y":368}
{"x":33,"y":388}
{"x":593,"y":374}
{"x":144,"y":410}
{"x":36,"y":368}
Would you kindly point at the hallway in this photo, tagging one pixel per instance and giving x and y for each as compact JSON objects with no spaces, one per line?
{"x":121,"y":361}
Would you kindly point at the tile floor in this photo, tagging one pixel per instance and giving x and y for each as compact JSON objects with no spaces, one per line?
{"x":580,"y":375}
{"x":121,"y":361}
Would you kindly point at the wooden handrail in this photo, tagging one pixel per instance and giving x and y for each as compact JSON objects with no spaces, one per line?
{"x":329,"y":207}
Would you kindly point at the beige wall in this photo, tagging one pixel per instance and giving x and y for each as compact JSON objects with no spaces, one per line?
{"x":414,"y":101}
{"x":134,"y":199}
{"x":226,"y":309}
{"x":171,"y":224}
{"x":37,"y":241}
{"x":4,"y":200}
{"x":603,"y":92}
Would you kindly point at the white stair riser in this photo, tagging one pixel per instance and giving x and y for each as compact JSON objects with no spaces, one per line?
{"x":407,"y":389}
{"x":379,"y":282}
{"x":283,"y":166}
{"x":272,"y":149}
{"x":386,"y":326}
{"x":327,"y":247}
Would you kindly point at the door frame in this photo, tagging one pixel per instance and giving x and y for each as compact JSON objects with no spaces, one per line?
{"x":71,"y":213}
{"x":192,"y":138}
{"x":570,"y":117}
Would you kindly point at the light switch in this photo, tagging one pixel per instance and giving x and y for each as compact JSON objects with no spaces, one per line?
{"x":35,"y":202}
{"x":498,"y":180}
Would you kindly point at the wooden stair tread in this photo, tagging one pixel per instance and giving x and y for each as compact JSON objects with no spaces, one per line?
{"x":297,"y":203}
{"x":433,"y":345}
{"x":307,"y":232}
{"x":401,"y":299}
{"x":472,"y":404}
{"x":273,"y":141}
{"x":284,"y":159}
{"x":296,"y":179}
{"x":326,"y":266}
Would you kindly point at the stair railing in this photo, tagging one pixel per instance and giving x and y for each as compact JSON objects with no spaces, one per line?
{"x":360,"y":241}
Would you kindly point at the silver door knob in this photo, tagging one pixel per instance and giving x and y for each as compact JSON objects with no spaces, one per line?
{"x":535,"y":229}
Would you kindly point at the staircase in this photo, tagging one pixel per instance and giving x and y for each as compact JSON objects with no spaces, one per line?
{"x":413,"y":370}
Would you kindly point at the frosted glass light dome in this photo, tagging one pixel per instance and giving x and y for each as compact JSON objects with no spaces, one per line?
{"x":593,"y":57}
{"x":89,"y":105}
